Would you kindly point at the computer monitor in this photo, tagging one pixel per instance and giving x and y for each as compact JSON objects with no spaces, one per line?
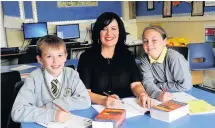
{"x":92,"y":25}
{"x":35,"y":30}
{"x":70,"y":31}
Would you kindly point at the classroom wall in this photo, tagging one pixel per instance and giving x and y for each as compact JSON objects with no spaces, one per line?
{"x":193,"y":31}
{"x":181,"y":24}
{"x":47,"y":11}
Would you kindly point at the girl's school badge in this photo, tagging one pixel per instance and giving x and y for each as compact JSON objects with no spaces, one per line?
{"x":67,"y":92}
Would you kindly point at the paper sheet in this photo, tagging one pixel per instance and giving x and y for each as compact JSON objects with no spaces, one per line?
{"x":74,"y":122}
{"x":22,"y":67}
{"x":200,"y":107}
{"x":183,"y":97}
{"x":25,"y":75}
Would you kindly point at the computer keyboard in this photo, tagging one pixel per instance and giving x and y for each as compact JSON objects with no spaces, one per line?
{"x":12,"y":50}
{"x":73,"y":44}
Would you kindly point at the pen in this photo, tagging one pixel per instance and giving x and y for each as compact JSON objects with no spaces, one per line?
{"x":123,"y":102}
{"x":112,"y":97}
{"x":60,"y":108}
{"x":163,"y":89}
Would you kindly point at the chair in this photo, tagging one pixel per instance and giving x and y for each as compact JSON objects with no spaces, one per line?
{"x":8,"y":81}
{"x":201,"y":56}
{"x":71,"y":66}
{"x":17,"y":87}
{"x":182,"y":50}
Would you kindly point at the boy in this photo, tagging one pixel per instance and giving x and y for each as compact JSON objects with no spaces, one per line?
{"x":50,"y":86}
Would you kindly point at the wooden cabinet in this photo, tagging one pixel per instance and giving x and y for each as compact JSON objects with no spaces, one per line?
{"x":197,"y":77}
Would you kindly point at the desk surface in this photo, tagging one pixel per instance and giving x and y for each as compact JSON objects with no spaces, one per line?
{"x":145,"y":121}
{"x":7,"y":68}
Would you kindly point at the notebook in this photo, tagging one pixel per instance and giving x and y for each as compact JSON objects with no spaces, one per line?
{"x":200,"y":107}
{"x":74,"y":122}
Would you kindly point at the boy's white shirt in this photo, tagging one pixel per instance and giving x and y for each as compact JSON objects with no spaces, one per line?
{"x":49,"y":78}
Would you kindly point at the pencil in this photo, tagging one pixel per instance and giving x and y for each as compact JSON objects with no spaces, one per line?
{"x":60,"y":108}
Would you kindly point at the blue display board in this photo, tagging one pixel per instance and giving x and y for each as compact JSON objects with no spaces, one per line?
{"x":28,"y":10}
{"x":48,"y":11}
{"x":183,"y":7}
{"x":11,"y":8}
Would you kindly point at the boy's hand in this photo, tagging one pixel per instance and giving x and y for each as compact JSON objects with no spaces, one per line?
{"x":62,"y":116}
{"x":112,"y":101}
{"x":165,"y":96}
{"x":145,"y":101}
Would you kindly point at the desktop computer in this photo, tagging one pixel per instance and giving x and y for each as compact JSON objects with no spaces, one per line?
{"x":69,"y":33}
{"x":34,"y":31}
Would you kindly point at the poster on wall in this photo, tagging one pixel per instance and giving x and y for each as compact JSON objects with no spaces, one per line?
{"x":209,"y":3}
{"x":197,"y":8}
{"x":76,"y":3}
{"x":167,"y":9}
{"x":210,"y":34}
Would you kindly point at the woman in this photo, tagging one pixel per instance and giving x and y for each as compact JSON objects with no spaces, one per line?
{"x":162,"y":69}
{"x":108,"y":67}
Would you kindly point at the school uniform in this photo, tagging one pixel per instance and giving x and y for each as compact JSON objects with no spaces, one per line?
{"x":36,"y":93}
{"x":170,"y":71}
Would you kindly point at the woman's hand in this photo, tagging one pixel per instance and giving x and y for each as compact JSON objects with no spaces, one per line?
{"x":112,"y":101}
{"x":145,"y":101}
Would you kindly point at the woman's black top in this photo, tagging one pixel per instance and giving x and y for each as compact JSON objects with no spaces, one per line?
{"x":113,"y":76}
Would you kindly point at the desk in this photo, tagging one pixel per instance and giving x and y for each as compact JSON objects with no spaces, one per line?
{"x":10,"y":59}
{"x":7,"y":68}
{"x":145,"y":121}
{"x":74,"y":52}
{"x":135,"y":48}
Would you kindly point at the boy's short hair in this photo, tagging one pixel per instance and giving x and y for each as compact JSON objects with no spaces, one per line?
{"x":158,"y":29}
{"x":50,"y":41}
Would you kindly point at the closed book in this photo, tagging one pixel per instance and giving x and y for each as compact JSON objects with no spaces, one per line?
{"x":109,"y":118}
{"x":169,"y":111}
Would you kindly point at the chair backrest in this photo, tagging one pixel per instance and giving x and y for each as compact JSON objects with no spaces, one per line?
{"x":11,"y":123}
{"x":182,"y":50}
{"x":201,"y":51}
{"x":71,"y":66}
{"x":8,"y":81}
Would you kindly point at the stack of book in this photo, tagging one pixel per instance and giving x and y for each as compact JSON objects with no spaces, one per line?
{"x":109,"y":118}
{"x":169,"y":111}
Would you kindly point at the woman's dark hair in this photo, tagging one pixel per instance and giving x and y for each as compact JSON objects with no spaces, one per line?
{"x":104,"y":20}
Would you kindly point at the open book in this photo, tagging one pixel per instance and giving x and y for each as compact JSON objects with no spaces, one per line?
{"x":134,"y":109}
{"x":130,"y":105}
{"x":74,"y":122}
